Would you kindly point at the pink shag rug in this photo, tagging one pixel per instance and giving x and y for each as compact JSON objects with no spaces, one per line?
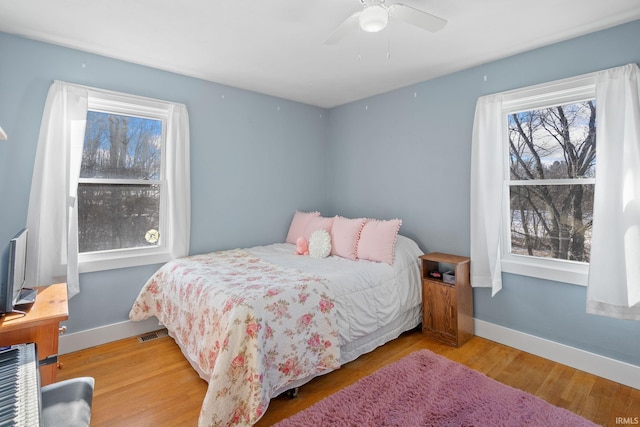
{"x":425,"y":389}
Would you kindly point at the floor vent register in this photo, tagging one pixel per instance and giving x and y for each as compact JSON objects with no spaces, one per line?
{"x":153,"y":336}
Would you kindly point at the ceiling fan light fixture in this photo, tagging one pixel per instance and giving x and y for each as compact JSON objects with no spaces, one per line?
{"x":373,"y":18}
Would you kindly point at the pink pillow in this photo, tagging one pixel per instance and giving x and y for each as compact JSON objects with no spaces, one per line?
{"x":317,"y":223}
{"x":345,"y":234}
{"x":299,"y":224}
{"x":378,"y":240}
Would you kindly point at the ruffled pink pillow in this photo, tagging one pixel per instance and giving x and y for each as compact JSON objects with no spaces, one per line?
{"x":378,"y":240}
{"x":345,"y":233}
{"x":299,"y":224}
{"x":317,"y":223}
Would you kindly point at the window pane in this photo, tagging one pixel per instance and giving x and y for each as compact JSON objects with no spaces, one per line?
{"x":552,"y":221}
{"x":121,"y":147}
{"x":553,"y":143}
{"x":117,"y":216}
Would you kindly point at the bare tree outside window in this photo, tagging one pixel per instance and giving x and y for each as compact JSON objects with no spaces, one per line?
{"x":119,"y":187}
{"x":552,"y":157}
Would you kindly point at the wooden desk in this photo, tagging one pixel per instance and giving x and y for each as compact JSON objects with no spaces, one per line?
{"x":41,"y":325}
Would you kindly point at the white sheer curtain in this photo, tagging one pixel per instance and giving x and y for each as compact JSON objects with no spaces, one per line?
{"x":487,"y":185}
{"x":52,"y":218}
{"x":614,"y":273}
{"x":178,"y":179}
{"x":52,"y":248}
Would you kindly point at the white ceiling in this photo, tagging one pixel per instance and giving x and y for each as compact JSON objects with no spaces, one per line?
{"x":276,"y":47}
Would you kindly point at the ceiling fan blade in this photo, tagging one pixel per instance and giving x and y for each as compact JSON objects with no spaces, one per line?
{"x":417,"y":17}
{"x":348,"y":25}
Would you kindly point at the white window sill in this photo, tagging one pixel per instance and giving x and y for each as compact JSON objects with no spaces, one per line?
{"x":109,"y":260}
{"x":574,"y":273}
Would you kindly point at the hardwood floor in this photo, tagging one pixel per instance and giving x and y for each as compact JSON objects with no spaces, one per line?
{"x":152,"y":384}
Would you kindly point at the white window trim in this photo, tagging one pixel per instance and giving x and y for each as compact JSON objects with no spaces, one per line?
{"x":571,"y":90}
{"x":107,"y":260}
{"x":112,"y":102}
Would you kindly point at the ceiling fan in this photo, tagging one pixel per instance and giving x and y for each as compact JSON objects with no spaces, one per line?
{"x":375,"y":17}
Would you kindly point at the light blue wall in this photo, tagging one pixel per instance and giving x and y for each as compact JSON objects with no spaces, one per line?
{"x":407,"y":154}
{"x":255,"y":159}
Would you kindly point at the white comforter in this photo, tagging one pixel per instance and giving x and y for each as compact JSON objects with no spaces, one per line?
{"x":368,"y":295}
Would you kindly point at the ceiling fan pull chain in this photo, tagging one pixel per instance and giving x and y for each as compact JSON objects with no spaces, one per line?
{"x":359,"y":56}
{"x":389,"y":40}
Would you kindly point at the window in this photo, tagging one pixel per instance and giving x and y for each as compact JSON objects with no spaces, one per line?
{"x":123,"y":192}
{"x":139,"y":184}
{"x":545,"y":212}
{"x":550,"y":141}
{"x":120,"y":182}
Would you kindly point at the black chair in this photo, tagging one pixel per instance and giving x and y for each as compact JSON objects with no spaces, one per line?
{"x":67,"y":403}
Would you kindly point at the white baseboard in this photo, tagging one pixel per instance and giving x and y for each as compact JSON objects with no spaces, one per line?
{"x":605,"y":367}
{"x":105,"y":334}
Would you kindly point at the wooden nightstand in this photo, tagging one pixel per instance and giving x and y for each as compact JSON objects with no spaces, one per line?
{"x":41,"y":325}
{"x":447,"y":308}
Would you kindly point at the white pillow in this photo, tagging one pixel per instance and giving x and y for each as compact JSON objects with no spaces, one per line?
{"x":320,"y":244}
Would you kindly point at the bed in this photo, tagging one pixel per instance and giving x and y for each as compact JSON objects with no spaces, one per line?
{"x":260,"y":321}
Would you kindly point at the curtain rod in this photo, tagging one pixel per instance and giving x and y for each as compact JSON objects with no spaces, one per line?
{"x":559,"y":82}
{"x":116,"y":93}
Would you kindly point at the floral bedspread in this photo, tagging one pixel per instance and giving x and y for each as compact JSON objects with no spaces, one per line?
{"x":253,"y":326}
